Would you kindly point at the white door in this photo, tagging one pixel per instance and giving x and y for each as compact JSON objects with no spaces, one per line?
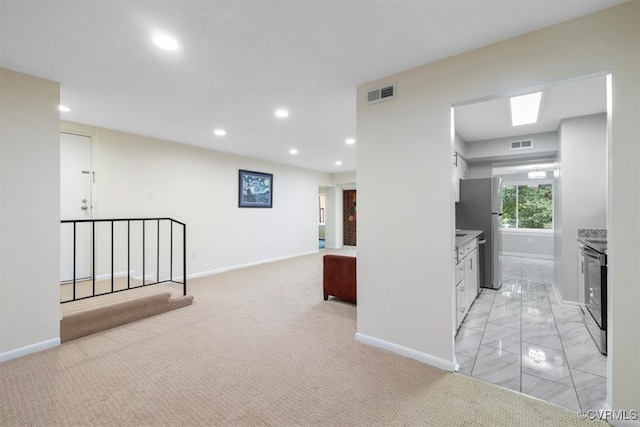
{"x":75,"y":203}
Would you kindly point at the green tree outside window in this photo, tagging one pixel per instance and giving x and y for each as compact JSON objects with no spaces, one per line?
{"x":527,"y":206}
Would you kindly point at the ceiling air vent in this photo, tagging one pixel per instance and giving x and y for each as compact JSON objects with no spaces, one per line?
{"x":385,"y":93}
{"x":520,"y":145}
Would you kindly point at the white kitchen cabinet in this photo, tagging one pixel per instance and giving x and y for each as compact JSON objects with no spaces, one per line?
{"x":463,"y":167}
{"x":456,"y":179}
{"x":461,"y":303}
{"x":459,"y":172}
{"x":467,"y":278}
{"x":461,"y":296}
{"x":471,"y":276}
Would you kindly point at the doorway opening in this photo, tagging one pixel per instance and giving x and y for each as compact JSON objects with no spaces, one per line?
{"x":322,"y":207}
{"x":349,"y":217}
{"x":337,"y":206}
{"x":526,"y":334}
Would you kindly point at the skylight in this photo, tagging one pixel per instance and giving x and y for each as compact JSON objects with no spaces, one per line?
{"x":525,"y":108}
{"x":165,"y":42}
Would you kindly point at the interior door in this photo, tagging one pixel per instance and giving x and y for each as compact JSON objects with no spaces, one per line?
{"x":75,"y":203}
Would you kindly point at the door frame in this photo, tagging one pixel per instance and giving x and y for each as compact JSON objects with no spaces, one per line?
{"x":92,"y":137}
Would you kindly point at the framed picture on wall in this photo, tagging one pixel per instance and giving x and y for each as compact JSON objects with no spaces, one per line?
{"x":255,"y":189}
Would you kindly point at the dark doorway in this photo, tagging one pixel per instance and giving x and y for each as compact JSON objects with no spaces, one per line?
{"x":349,"y":217}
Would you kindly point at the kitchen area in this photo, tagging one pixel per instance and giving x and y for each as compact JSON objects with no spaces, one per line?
{"x":478,"y":240}
{"x":530,"y":212}
{"x":592,"y":283}
{"x":467,"y":271}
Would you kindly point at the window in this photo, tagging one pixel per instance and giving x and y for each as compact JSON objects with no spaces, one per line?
{"x":527,"y":206}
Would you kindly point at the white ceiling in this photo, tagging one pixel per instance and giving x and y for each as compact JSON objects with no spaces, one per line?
{"x":492,"y":119}
{"x":240,"y":60}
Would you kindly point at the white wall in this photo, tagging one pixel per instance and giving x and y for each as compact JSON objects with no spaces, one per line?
{"x":199,"y":187}
{"x":405,"y":287}
{"x":480,"y":170}
{"x":334,"y":229}
{"x":481,"y":155}
{"x":343,"y":178}
{"x":544,"y":145}
{"x":459,"y":145}
{"x":530,"y":243}
{"x":29,"y":214}
{"x":581,"y":193}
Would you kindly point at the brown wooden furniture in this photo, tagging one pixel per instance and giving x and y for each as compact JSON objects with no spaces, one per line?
{"x":339,"y":277}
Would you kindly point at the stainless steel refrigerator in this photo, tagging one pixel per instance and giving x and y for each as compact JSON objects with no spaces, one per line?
{"x":480,"y":208}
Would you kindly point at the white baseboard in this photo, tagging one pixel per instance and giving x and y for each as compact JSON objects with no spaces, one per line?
{"x":115,"y":275}
{"x":527,"y":255}
{"x":249,"y":264}
{"x":151,"y":277}
{"x":561,"y":302}
{"x":456,"y":365}
{"x":32,"y":348}
{"x":447,"y":365}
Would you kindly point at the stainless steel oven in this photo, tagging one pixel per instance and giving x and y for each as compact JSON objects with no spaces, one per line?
{"x":595,"y":292}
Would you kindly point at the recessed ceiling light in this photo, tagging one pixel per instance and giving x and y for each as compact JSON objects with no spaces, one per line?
{"x":220,"y":132}
{"x":350,"y":141}
{"x":64,"y":108}
{"x":282,"y":113}
{"x":165,"y":42}
{"x":338,"y":163}
{"x":524,"y":108}
{"x":293,"y":151}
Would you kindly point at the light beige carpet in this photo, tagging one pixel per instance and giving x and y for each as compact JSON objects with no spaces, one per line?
{"x":258,"y":347}
{"x":80,"y":323}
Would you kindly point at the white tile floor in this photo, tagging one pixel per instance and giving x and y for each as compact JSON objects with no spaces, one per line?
{"x":519,"y":337}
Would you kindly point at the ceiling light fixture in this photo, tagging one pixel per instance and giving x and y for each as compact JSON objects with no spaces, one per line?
{"x":537,"y":174}
{"x":338,"y":163}
{"x":282,"y":113}
{"x":165,"y":42}
{"x":350,"y":141}
{"x":525,"y":108}
{"x":64,"y":108}
{"x":220,"y":132}
{"x":293,"y":151}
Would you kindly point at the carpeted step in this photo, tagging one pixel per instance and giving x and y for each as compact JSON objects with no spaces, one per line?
{"x":86,"y":322}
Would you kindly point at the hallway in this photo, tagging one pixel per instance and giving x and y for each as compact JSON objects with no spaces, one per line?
{"x":521,"y":338}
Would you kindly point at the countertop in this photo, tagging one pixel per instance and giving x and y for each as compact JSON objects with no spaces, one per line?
{"x":599,"y":245}
{"x":596,"y":238}
{"x":468,"y":236}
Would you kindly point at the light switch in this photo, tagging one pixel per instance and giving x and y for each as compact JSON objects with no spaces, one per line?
{"x":150,"y":194}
